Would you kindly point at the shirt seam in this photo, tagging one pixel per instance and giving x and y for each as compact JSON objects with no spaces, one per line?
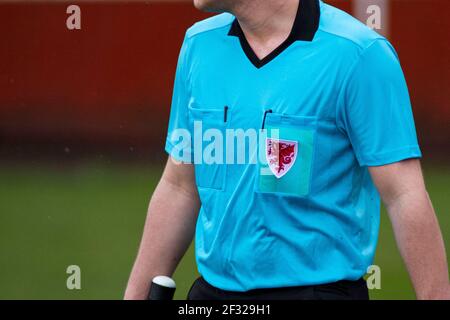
{"x":190,"y":36}
{"x":340,"y":104}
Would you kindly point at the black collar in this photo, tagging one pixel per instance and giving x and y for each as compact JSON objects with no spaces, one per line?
{"x":304,"y":29}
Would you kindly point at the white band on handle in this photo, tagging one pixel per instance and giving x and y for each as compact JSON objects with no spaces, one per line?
{"x":164,"y":281}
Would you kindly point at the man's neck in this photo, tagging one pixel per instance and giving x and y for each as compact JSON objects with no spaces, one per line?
{"x":266,"y":24}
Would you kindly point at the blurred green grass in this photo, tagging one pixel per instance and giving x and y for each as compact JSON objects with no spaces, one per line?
{"x":92,"y":214}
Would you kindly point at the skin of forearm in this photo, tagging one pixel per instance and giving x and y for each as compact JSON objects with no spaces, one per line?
{"x":168,"y":232}
{"x":420,"y":243}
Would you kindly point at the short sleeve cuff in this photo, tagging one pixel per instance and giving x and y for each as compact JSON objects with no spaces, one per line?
{"x":179,"y":154}
{"x":390,"y":157}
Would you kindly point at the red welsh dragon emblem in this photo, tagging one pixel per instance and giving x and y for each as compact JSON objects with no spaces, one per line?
{"x":281,"y":155}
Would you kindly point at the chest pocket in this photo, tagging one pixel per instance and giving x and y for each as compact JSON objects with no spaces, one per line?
{"x":209,"y":127}
{"x":287,"y":157}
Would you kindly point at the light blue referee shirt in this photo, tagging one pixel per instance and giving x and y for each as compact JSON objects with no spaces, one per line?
{"x":332,"y":101}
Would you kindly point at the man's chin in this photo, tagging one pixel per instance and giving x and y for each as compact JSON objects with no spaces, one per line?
{"x":208,"y":6}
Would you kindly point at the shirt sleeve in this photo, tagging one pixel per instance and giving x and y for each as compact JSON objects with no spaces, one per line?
{"x":178,"y":142}
{"x":376,"y":109}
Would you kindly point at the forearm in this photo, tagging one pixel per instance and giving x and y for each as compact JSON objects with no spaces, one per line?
{"x":168,"y":233}
{"x":420,"y":243}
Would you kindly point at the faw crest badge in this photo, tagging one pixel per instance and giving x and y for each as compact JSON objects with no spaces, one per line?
{"x":281,"y":155}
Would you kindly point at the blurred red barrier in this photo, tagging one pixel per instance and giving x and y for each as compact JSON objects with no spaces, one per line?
{"x":110,"y":83}
{"x":420,"y":33}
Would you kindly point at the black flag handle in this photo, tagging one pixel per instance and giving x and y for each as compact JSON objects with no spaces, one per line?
{"x":162,"y":288}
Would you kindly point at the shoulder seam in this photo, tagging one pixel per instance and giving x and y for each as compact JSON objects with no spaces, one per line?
{"x":189,"y":35}
{"x":352,"y":41}
{"x":348,"y":75}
